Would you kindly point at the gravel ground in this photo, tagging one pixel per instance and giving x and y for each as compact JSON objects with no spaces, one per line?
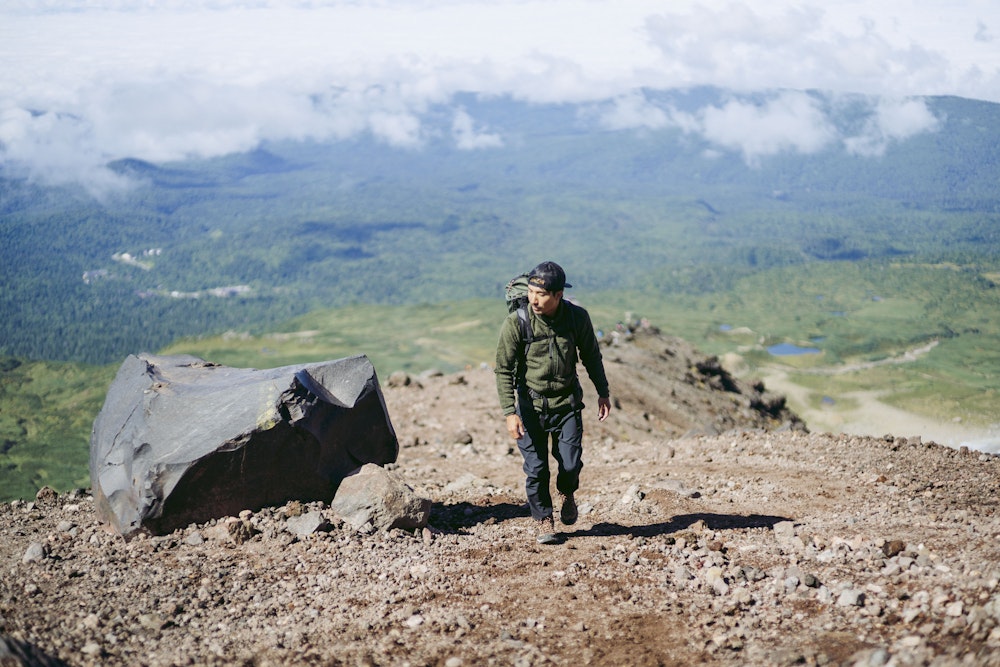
{"x":699,"y":542}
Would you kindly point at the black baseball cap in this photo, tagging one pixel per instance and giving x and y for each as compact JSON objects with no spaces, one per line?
{"x":549,"y":276}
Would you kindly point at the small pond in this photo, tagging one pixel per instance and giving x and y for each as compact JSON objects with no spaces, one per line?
{"x":788,"y":350}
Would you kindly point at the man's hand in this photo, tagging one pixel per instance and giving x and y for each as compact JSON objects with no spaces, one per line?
{"x":603,"y":408}
{"x":515,"y":426}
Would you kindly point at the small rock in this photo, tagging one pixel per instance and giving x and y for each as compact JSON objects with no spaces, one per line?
{"x":46,"y":493}
{"x":35,"y":553}
{"x":151,"y":621}
{"x":954,"y":609}
{"x":632,"y":496}
{"x":375,"y":497}
{"x":742,"y":597}
{"x":852,"y":597}
{"x":65,"y":526}
{"x":231,"y":528}
{"x":307,"y":524}
{"x":242,"y":531}
{"x":464,"y":482}
{"x":293,"y":508}
{"x":715,"y":579}
{"x":869,"y":658}
{"x":194,"y":539}
{"x":676,"y":486}
{"x":462,"y":437}
{"x":399,"y":379}
{"x":893,"y":548}
{"x":783,"y":657}
{"x":784,"y":531}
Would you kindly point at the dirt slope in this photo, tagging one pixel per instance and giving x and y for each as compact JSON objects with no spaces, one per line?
{"x":704,"y":539}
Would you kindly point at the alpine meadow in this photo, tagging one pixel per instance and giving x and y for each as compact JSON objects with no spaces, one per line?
{"x":874,"y":260}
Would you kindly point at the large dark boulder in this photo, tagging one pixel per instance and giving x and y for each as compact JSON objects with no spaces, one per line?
{"x":181,"y":440}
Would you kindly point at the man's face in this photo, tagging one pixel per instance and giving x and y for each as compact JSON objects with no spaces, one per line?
{"x":543,"y":302}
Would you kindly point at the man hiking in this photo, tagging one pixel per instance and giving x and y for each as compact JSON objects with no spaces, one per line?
{"x":536,"y":365}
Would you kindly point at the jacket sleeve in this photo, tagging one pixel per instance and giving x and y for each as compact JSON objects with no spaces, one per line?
{"x":506,"y":363}
{"x":590,"y":354}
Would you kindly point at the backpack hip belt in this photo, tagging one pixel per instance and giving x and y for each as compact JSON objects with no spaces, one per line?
{"x":571,"y":391}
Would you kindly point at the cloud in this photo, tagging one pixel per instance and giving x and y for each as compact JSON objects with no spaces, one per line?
{"x":182,"y":118}
{"x":53,"y":149}
{"x":733,"y":46}
{"x":783,"y":122}
{"x":466,"y":136}
{"x":892,"y":120}
{"x":633,"y":111}
{"x":790,"y":122}
{"x":85,"y":82}
{"x":983,"y":33}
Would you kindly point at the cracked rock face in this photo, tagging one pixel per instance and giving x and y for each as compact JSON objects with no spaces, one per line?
{"x":181,"y":440}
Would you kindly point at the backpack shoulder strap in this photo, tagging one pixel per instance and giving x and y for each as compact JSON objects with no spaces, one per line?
{"x":571,"y":312}
{"x":524,"y":322}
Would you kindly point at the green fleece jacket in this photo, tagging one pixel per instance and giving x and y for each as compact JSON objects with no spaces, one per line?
{"x":550,"y":363}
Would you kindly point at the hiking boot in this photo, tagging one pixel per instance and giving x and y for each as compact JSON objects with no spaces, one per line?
{"x":546,"y":531}
{"x":568,"y":513}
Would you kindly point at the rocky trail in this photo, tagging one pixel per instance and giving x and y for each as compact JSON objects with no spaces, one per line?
{"x":713,"y":530}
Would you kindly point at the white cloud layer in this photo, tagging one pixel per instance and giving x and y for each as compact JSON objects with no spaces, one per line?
{"x":83,"y":82}
{"x":793,"y":122}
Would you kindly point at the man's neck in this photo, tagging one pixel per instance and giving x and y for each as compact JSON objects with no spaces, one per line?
{"x":555,"y":313}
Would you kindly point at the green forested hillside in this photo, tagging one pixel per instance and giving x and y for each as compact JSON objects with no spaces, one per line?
{"x":46,"y":412}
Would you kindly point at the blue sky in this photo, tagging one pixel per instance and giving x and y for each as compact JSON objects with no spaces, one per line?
{"x":84,"y":82}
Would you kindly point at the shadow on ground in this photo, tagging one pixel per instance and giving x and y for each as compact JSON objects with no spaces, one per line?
{"x":464,"y":515}
{"x":16,"y":653}
{"x":679,"y":523}
{"x":461,"y":516}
